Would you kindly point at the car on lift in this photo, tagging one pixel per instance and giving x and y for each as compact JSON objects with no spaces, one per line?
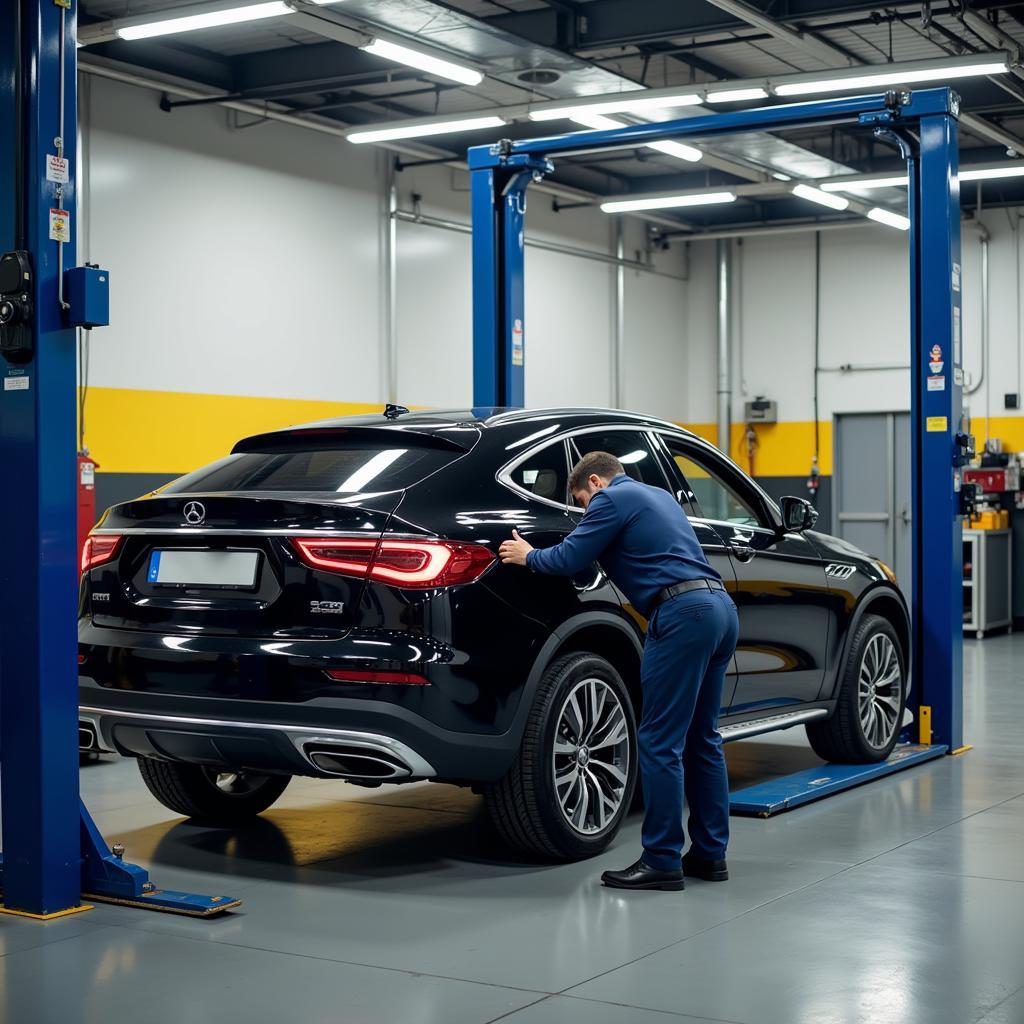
{"x":326,"y":601}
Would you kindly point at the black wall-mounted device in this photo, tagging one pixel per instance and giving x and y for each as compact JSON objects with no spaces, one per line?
{"x":16,"y":284}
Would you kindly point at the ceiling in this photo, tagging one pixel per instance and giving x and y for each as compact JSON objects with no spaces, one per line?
{"x":537,"y":50}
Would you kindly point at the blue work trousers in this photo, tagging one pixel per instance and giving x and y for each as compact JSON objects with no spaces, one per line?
{"x":690,"y":643}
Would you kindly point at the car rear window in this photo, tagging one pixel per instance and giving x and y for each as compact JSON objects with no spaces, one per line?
{"x":341,"y":471}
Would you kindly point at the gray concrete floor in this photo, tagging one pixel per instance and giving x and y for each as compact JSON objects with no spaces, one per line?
{"x":900,"y":901}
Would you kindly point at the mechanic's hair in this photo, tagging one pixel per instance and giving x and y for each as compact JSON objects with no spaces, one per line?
{"x":600,"y":464}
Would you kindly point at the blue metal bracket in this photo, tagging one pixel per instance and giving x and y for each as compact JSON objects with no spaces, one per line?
{"x":777,"y":795}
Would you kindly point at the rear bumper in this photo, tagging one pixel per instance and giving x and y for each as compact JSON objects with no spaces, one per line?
{"x":344,"y":753}
{"x":327,"y":738}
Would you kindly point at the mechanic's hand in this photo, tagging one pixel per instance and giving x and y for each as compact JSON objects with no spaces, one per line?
{"x":514,"y":551}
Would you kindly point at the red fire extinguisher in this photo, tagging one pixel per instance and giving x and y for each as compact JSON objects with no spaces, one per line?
{"x":86,"y":498}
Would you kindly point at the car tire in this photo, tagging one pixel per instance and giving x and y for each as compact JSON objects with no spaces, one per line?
{"x":873,"y":689}
{"x":564,"y":802}
{"x":209,"y":796}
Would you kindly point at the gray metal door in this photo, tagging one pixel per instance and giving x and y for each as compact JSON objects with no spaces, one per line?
{"x":871,"y":487}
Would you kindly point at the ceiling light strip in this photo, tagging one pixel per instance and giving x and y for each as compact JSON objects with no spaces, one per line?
{"x":667,"y":202}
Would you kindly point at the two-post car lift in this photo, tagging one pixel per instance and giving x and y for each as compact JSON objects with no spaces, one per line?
{"x":923,"y":127}
{"x":53,"y":853}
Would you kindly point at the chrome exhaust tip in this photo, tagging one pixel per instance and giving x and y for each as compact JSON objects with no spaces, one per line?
{"x":358,"y":763}
{"x":87,"y":739}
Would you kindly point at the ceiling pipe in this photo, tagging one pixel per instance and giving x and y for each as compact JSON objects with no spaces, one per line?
{"x":724,"y":345}
{"x":812,"y":45}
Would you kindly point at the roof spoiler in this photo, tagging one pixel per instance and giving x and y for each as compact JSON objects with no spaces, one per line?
{"x":336,"y":438}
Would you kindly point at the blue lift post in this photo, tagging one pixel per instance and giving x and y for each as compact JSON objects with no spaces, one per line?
{"x":923,"y":126}
{"x":52,"y":851}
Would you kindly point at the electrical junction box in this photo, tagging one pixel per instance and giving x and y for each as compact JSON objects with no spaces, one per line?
{"x":87,"y":292}
{"x":760,"y":410}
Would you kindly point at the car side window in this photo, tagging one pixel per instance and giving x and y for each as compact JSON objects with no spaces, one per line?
{"x":717,"y":499}
{"x":544,"y":474}
{"x":630,"y":447}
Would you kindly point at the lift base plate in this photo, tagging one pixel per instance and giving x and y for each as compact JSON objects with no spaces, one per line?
{"x":783,"y":794}
{"x":170,"y":902}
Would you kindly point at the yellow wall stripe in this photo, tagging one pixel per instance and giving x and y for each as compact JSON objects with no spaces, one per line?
{"x":782,"y":449}
{"x":174,"y":432}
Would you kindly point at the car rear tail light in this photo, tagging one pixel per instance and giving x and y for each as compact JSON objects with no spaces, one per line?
{"x":402,"y":563}
{"x":100,"y":548}
{"x":358,"y":675}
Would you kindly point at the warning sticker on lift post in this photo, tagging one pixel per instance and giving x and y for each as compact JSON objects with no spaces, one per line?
{"x":56,"y":169}
{"x":936,"y":424}
{"x":16,"y":383}
{"x":517,"y":343}
{"x":936,"y":383}
{"x":60,"y":226}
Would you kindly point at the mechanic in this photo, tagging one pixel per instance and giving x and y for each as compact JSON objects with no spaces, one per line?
{"x":645,"y":543}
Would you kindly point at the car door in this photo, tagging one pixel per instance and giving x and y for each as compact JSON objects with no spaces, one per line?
{"x":782,"y":592}
{"x":638,"y":451}
{"x":541,"y":477}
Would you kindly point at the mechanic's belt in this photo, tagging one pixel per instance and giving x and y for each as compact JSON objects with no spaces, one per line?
{"x":684,"y":588}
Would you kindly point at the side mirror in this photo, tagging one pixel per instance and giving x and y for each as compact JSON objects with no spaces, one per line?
{"x":798,"y":514}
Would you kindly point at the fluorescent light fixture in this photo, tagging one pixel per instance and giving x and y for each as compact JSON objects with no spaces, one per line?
{"x":736,"y":95}
{"x":938,"y":73}
{"x":815,"y":195}
{"x":595,"y":121}
{"x":677,"y":149}
{"x":667,"y":202}
{"x":628,"y":103}
{"x":667,"y":146}
{"x":985,"y":173}
{"x":208,"y":19}
{"x":415,"y":131}
{"x":779,"y":176}
{"x":865,"y":183}
{"x":424,"y":61}
{"x":894,"y":220}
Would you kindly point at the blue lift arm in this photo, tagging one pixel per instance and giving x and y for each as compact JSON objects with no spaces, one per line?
{"x":923,"y":124}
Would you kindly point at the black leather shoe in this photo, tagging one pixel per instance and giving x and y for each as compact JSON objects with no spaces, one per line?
{"x":643,"y":876}
{"x":709,"y":870}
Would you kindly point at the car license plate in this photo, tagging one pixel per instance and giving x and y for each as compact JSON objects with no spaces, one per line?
{"x":204,"y":568}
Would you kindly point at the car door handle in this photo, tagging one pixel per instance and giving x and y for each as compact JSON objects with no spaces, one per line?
{"x":742,"y":552}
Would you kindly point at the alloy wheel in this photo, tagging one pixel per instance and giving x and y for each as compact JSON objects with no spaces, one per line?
{"x":590,"y":760}
{"x":879,"y":690}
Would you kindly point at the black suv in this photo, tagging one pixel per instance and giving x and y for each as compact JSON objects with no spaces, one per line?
{"x":327,"y":601}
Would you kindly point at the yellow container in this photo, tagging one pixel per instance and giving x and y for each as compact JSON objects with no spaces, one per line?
{"x":991,"y":519}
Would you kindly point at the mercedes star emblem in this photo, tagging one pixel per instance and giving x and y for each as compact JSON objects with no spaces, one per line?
{"x":194,"y":513}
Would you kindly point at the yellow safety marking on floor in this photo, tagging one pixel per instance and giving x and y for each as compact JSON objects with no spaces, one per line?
{"x":925,"y":725}
{"x":961,"y":750}
{"x":46,"y":917}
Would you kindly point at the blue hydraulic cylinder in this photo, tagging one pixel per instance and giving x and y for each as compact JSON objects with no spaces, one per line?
{"x":936,"y":417}
{"x":38,"y":572}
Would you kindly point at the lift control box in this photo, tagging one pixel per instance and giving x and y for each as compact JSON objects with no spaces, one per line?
{"x":87,"y":293}
{"x":761,"y":410}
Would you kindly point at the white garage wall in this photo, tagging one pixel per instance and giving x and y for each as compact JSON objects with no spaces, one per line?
{"x":230,"y":253}
{"x":249,"y":262}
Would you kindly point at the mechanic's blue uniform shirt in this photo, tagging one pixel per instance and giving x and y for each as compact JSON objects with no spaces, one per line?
{"x":655,"y":545}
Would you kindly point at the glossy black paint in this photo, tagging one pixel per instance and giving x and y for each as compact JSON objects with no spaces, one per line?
{"x":259,"y":656}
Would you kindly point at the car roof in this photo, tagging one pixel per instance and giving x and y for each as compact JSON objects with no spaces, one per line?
{"x":488,"y":418}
